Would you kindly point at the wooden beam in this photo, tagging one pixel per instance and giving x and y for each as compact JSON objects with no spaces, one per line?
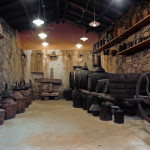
{"x":94,"y":30}
{"x":88,"y":11}
{"x":129,"y":2}
{"x":9,"y":5}
{"x":105,"y":5}
{"x":82,"y":8}
{"x":66,"y":8}
{"x":57,"y":11}
{"x":89,"y":19}
{"x":22,"y":2}
{"x":108,"y":19}
{"x":79,"y":23}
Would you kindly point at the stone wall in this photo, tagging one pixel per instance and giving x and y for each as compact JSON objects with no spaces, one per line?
{"x":10,"y":58}
{"x":55,"y":64}
{"x":135,"y":63}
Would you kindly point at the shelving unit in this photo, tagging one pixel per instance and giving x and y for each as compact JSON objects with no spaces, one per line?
{"x":136,"y":48}
{"x":144,"y":22}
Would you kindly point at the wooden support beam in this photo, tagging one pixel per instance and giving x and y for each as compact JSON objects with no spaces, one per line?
{"x":22,"y":2}
{"x":9,"y":5}
{"x":88,"y":11}
{"x":82,"y":8}
{"x":88,"y":19}
{"x":105,"y":5}
{"x":57,"y":11}
{"x":73,"y":21}
{"x":66,"y":8}
{"x":129,"y":2}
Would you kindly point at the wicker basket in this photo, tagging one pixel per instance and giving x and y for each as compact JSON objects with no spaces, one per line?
{"x":10,"y":108}
{"x":27,"y":94}
{"x":20,"y":101}
{"x":2,"y":115}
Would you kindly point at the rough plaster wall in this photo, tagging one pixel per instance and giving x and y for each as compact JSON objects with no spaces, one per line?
{"x":62,"y":63}
{"x":10,"y":58}
{"x":136,"y":63}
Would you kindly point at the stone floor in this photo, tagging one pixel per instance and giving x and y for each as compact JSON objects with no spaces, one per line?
{"x":56,"y":125}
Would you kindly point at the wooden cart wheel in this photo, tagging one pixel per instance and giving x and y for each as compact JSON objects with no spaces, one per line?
{"x":143,"y":99}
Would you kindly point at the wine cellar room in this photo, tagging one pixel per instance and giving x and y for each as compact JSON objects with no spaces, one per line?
{"x":74,"y":75}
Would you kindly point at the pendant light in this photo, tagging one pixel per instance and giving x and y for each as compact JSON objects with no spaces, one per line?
{"x":42,"y":35}
{"x":38,"y":21}
{"x":79,"y":45}
{"x":45,"y":44}
{"x":94,"y":23}
{"x":84,"y":38}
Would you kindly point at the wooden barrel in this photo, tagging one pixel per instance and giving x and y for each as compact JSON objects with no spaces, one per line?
{"x":124,"y":85}
{"x":84,"y":101}
{"x":84,"y":78}
{"x":74,"y":77}
{"x":93,"y":78}
{"x":77,"y":101}
{"x":102,"y":86}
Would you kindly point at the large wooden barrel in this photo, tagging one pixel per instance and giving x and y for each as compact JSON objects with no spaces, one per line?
{"x":124,"y":85}
{"x":93,"y":78}
{"x":74,"y":78}
{"x":77,"y":101}
{"x":79,"y":77}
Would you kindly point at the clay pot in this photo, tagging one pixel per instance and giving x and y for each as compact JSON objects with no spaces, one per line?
{"x":129,"y":24}
{"x":119,"y":31}
{"x":145,"y":12}
{"x":139,"y":16}
{"x":2,"y":115}
{"x":8,"y":104}
{"x":134,"y":20}
{"x":123,"y":29}
{"x":115,"y":34}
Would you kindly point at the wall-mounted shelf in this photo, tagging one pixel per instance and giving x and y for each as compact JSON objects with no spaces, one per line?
{"x":144,"y":22}
{"x":136,"y":48}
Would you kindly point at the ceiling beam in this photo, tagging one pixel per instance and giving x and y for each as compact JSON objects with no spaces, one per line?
{"x":129,"y":2}
{"x":88,"y":11}
{"x":57,"y":11}
{"x":82,"y":8}
{"x":65,"y":10}
{"x":86,"y":23}
{"x":77,"y":24}
{"x":9,"y":5}
{"x":105,"y":5}
{"x":88,"y":19}
{"x":22,"y":2}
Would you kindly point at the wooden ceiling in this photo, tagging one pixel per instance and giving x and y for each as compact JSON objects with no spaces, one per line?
{"x":20,"y":13}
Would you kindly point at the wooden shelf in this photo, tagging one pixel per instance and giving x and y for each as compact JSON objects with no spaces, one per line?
{"x":144,"y":22}
{"x":136,"y":48}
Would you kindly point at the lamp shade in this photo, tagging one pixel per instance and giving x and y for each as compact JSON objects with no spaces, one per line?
{"x":94,"y":24}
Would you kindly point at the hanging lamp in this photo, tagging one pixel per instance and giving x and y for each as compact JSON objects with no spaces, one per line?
{"x":38,"y":21}
{"x":94,"y":23}
{"x":83,"y":38}
{"x":45,"y":44}
{"x":79,"y":45}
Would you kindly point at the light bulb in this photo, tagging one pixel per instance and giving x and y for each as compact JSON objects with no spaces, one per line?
{"x":45,"y":44}
{"x":84,"y":39}
{"x":79,"y":45}
{"x":42,"y":35}
{"x":38,"y":22}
